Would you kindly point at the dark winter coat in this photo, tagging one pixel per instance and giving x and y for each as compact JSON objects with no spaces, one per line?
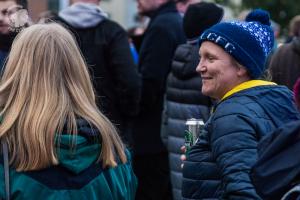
{"x":105,"y":47}
{"x":77,"y":176}
{"x":184,"y":101}
{"x":219,"y":165}
{"x":285,"y":64}
{"x":277,"y":169}
{"x":161,"y":38}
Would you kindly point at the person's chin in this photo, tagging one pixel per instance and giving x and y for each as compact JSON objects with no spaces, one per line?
{"x":205,"y":91}
{"x":142,"y":12}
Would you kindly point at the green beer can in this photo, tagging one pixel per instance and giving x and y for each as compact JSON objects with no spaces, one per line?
{"x":194,"y":127}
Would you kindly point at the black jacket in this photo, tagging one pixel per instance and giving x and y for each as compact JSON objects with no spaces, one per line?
{"x":161,"y":38}
{"x":116,"y":80}
{"x":184,"y":101}
{"x":277,"y":169}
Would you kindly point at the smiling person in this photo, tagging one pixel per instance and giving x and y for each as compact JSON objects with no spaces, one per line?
{"x":232,"y":58}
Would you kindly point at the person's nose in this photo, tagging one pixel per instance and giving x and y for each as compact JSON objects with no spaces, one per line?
{"x":201,"y":66}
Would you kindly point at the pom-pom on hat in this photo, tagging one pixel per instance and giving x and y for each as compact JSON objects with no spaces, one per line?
{"x":199,"y":17}
{"x":249,"y":41}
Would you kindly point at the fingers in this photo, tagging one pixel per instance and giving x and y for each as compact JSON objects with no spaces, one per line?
{"x":183,"y":149}
{"x":182,"y":157}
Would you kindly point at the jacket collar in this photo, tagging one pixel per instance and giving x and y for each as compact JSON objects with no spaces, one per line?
{"x":164,"y":8}
{"x":246,"y":85}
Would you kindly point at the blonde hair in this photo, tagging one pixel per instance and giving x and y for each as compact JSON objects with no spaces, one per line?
{"x":46,"y":85}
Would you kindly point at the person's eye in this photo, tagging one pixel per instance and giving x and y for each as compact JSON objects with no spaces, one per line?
{"x":4,"y":12}
{"x":210,"y":58}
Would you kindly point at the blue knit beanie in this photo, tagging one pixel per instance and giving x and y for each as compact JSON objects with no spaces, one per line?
{"x":248,"y":42}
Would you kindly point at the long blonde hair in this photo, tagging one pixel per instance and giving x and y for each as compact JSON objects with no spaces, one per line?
{"x":46,"y":84}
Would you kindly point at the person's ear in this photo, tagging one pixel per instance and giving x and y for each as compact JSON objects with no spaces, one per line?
{"x":241,"y":70}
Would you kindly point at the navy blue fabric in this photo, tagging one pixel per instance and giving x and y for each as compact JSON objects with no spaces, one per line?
{"x":60,"y":178}
{"x":184,"y":101}
{"x":160,"y":41}
{"x":293,"y":194}
{"x":277,"y":170}
{"x":219,"y":165}
{"x":248,"y":42}
{"x":3,"y":56}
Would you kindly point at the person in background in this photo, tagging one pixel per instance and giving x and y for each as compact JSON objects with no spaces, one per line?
{"x":184,"y":98}
{"x":293,"y":28}
{"x":105,"y":47}
{"x":7,"y":34}
{"x":285,"y":62}
{"x":276,"y":30}
{"x":163,"y":34}
{"x":60,"y":145}
{"x":136,"y":33}
{"x":232,"y":59}
{"x":47,"y":16}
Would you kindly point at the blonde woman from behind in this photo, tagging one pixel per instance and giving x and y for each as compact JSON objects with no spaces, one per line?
{"x":60,"y":145}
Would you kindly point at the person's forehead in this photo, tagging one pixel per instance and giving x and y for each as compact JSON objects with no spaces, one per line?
{"x":7,"y":4}
{"x":151,"y":1}
{"x":210,"y":46}
{"x":194,"y":1}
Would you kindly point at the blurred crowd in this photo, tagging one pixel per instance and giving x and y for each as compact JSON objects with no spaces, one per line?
{"x":90,"y":110}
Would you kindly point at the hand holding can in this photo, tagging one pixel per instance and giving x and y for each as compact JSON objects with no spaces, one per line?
{"x":194,"y":127}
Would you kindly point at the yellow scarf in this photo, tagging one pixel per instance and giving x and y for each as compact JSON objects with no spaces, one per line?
{"x":247,"y":85}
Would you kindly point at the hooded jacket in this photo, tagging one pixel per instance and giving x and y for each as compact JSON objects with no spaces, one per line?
{"x":77,"y":176}
{"x":83,"y":15}
{"x":105,"y":47}
{"x":219,"y":165}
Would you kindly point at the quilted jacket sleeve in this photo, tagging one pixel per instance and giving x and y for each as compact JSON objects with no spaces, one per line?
{"x":234,"y":146}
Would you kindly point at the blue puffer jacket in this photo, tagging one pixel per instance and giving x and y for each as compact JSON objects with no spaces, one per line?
{"x":218,"y":166}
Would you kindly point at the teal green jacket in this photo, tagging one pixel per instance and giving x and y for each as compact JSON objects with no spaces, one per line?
{"x":77,"y":176}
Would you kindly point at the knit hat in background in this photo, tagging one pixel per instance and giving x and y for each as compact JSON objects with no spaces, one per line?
{"x":249,"y":42}
{"x":199,"y":17}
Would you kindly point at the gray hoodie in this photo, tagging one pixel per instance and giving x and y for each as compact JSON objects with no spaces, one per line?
{"x":83,"y":15}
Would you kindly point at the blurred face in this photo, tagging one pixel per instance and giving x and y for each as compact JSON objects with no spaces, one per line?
{"x":218,"y":70}
{"x":146,"y":6}
{"x":6,"y":7}
{"x":182,"y":6}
